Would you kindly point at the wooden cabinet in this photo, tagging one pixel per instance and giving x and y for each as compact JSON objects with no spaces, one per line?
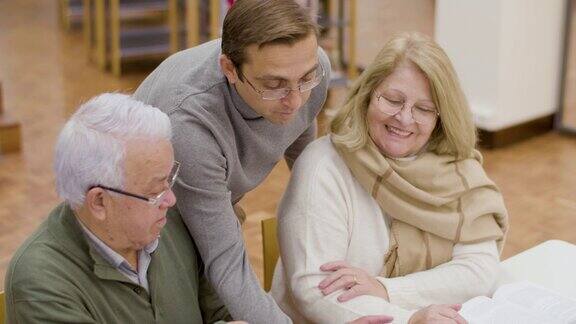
{"x":566,"y":119}
{"x":120,"y":30}
{"x":10,"y":132}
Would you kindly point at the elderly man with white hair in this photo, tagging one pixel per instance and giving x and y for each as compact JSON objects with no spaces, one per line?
{"x":110,"y":253}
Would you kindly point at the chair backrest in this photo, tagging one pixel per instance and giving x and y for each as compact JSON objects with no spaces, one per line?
{"x":2,"y":307}
{"x":270,"y":250}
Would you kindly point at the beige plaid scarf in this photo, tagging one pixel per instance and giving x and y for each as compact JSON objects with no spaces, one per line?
{"x":434,"y":201}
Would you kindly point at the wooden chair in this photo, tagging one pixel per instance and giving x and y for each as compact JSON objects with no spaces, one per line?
{"x":117,"y":30}
{"x":269,"y":249}
{"x":341,"y":24}
{"x":141,"y":40}
{"x":192,"y":21}
{"x":2,"y":307}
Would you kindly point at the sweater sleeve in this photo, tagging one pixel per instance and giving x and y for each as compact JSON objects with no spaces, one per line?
{"x":204,"y":201}
{"x":213,"y":310}
{"x":471,"y":272}
{"x":314,"y":229}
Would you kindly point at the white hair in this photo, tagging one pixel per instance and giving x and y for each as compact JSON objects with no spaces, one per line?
{"x":91,"y":148}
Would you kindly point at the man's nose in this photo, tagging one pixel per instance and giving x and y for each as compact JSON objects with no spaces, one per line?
{"x":293,"y":100}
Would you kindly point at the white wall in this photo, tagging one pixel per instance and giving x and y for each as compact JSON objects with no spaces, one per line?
{"x":508,"y":55}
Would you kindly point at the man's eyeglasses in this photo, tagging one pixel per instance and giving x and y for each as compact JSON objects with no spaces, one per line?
{"x":156,"y":200}
{"x":391,"y":107}
{"x":276,"y":94}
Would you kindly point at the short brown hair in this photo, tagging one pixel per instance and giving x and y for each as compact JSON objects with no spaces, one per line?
{"x":263,"y":22}
{"x":455,"y":132}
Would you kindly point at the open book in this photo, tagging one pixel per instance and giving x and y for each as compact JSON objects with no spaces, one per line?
{"x":521,"y":303}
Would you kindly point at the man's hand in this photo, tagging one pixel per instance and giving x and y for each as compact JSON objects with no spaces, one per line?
{"x":356,"y":281}
{"x":373,"y":319}
{"x":438,"y":314}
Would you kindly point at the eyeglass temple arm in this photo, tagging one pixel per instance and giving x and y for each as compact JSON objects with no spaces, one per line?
{"x":121,"y":192}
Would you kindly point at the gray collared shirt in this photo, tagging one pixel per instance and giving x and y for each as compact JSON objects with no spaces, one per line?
{"x":144,"y":257}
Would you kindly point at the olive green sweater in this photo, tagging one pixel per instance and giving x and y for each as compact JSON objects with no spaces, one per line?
{"x":56,"y":277}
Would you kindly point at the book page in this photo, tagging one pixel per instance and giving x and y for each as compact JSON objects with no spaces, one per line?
{"x":483,"y":310}
{"x":539,"y":299}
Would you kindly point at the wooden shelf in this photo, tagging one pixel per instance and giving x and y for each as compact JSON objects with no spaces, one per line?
{"x":133,"y":35}
{"x":142,"y":9}
{"x":71,"y":12}
{"x":338,"y":24}
{"x":144,"y":42}
{"x":10,"y":135}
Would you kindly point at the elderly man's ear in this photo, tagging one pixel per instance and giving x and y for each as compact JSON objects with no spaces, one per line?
{"x":95,"y":203}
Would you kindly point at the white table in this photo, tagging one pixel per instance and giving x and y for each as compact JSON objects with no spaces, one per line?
{"x":551,"y":264}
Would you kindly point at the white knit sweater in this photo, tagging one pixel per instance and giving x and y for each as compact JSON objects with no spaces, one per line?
{"x":325,"y":216}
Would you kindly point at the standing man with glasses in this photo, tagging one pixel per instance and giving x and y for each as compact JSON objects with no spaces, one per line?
{"x":111,"y":253}
{"x":237,"y":106}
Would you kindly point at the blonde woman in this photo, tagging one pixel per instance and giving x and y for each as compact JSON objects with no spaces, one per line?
{"x":392,"y":213}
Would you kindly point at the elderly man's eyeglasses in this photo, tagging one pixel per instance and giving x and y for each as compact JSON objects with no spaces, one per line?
{"x":420,"y":114}
{"x":312,"y":80}
{"x":156,"y":200}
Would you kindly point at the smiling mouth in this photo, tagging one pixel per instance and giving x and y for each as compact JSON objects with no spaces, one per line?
{"x":397,"y":131}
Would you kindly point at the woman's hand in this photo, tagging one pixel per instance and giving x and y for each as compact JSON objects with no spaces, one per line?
{"x":438,"y":314}
{"x":355,"y":280}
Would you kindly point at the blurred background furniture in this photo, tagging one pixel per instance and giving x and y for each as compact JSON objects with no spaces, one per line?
{"x":10,"y":133}
{"x":511,"y":85}
{"x":202,"y":20}
{"x":566,"y":117}
{"x":117,"y":31}
{"x":120,"y":31}
{"x":337,"y":21}
{"x":70,"y":12}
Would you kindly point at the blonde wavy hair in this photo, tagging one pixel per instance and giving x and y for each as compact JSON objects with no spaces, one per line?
{"x":455,"y":133}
